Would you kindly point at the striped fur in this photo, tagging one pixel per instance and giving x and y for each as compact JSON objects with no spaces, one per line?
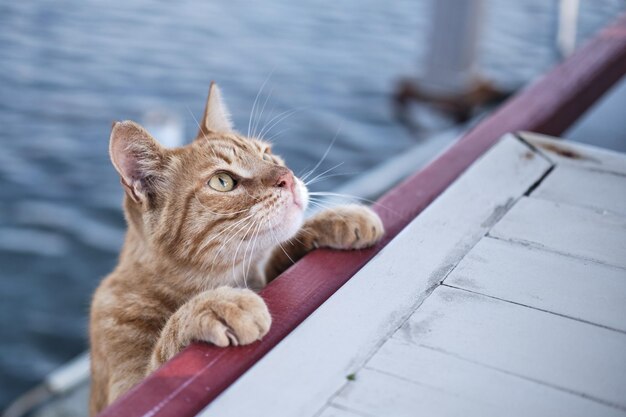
{"x":193,"y":256}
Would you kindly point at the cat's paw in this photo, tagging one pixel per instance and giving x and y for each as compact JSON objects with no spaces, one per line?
{"x":231,"y":316}
{"x":351,"y":226}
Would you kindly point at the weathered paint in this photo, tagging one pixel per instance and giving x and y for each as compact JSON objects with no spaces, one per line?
{"x":576,"y":288}
{"x":532,"y":321}
{"x":568,"y":229}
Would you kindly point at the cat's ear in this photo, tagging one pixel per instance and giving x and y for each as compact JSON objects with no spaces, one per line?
{"x":137,"y":157}
{"x":216,"y":117}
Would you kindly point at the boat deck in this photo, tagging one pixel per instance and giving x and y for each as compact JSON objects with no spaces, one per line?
{"x":507,"y":295}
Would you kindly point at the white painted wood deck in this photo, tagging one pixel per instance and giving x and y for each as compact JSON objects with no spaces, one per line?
{"x":507,"y":296}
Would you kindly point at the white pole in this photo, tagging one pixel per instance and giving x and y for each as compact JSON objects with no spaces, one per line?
{"x":451,"y":64}
{"x":568,"y":22}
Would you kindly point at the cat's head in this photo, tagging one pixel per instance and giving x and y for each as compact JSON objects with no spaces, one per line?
{"x":207,"y":202}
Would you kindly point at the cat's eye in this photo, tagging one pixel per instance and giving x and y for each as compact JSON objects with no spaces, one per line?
{"x":267,"y":157}
{"x":222,"y":182}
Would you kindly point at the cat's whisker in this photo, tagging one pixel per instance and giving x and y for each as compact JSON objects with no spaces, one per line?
{"x":306,"y":232}
{"x":260,"y":116}
{"x":329,"y":207}
{"x":280,"y":244}
{"x":244,"y":273}
{"x":325,"y":172}
{"x":256,"y":99}
{"x":238,"y":246}
{"x":255,"y":238}
{"x":223,"y":245}
{"x":320,"y":203}
{"x":285,"y":113}
{"x":274,"y":121}
{"x":333,"y":208}
{"x":351,"y":197}
{"x":324,"y":204}
{"x":298,"y":240}
{"x":228,"y":228}
{"x":277,"y":135}
{"x":252,"y":241}
{"x":332,"y":142}
{"x":325,"y":177}
{"x":251,"y":257}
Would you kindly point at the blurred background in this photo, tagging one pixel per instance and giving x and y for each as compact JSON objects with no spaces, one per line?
{"x":321,"y":69}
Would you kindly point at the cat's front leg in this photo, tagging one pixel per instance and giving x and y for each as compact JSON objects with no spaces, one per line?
{"x":223,"y":316}
{"x":351,"y":226}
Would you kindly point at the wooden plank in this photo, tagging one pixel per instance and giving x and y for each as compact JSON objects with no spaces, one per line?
{"x":576,"y":231}
{"x":563,"y":353}
{"x":337,"y":412}
{"x":586,"y":188}
{"x":576,"y":288}
{"x":377,"y":394}
{"x":577,"y":154}
{"x":473,"y":389}
{"x":312,"y":363}
{"x":550,"y":105}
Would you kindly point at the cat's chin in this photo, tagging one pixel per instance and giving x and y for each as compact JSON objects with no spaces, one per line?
{"x":288,"y":224}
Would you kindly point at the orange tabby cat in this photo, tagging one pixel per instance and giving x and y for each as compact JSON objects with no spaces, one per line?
{"x":202,"y":219}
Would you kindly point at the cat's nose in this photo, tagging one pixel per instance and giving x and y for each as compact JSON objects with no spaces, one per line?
{"x":285,"y":180}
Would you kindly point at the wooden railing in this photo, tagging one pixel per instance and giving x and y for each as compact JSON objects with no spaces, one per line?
{"x":195,"y":377}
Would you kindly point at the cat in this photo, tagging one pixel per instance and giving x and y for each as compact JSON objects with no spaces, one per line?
{"x":208,"y":223}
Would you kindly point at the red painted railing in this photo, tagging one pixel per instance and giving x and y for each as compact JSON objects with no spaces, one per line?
{"x":191,"y":380}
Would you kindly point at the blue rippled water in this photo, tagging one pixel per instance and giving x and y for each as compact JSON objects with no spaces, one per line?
{"x":70,"y":67}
